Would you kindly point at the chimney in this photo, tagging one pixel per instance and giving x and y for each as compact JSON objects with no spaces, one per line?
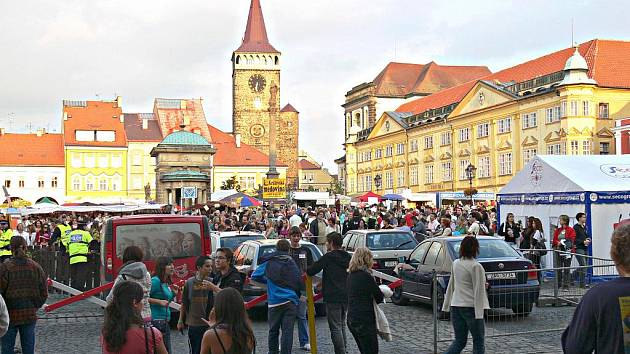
{"x":118,"y":101}
{"x":145,"y":124}
{"x":2,"y":131}
{"x":122,"y":117}
{"x":41,"y":131}
{"x":237,"y":140}
{"x":65,"y":116}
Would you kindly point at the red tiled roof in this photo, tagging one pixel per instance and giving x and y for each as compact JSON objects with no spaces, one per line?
{"x":255,"y":39}
{"x":31,"y":150}
{"x":135,"y":131}
{"x":305,"y":164}
{"x":401,"y":79}
{"x":229,"y":155}
{"x":170,"y":115}
{"x":289,"y":108}
{"x":608,"y":62}
{"x":94,"y":115}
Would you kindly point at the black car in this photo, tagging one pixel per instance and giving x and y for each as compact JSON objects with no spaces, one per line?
{"x":516,"y":290}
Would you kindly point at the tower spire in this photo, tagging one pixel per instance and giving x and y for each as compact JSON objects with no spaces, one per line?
{"x":255,"y":39}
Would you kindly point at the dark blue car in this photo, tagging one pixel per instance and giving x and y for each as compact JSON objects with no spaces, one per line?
{"x":512,"y":278}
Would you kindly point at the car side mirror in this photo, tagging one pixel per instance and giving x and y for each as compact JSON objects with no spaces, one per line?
{"x":402,"y":259}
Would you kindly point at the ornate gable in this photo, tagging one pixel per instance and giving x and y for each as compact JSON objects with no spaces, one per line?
{"x":445,"y":156}
{"x":481,"y":96}
{"x":385,"y":125}
{"x":605,"y":133}
{"x":464,"y":153}
{"x":529,"y":141}
{"x":483,"y":149}
{"x":504,"y":145}
{"x":429,"y":158}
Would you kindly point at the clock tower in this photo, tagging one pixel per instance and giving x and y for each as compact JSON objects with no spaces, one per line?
{"x":256,"y":96}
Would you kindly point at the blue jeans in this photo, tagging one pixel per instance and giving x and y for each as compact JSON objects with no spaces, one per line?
{"x":463,"y":320}
{"x":281,"y":317}
{"x":195,"y":335}
{"x":336,"y":315}
{"x":27,"y":338}
{"x":302,"y":323}
{"x":165,"y":329}
{"x":582,"y":261}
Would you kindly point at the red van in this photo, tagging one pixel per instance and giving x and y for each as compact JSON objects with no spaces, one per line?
{"x":181,"y":237}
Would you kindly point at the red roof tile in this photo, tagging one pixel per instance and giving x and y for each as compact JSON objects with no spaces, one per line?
{"x":305,"y":164}
{"x":135,"y":130}
{"x":93,"y":115}
{"x":289,"y":108}
{"x":229,"y":155}
{"x":402,"y":79}
{"x":608,"y":62}
{"x":171,"y":113}
{"x":31,"y":150}
{"x":255,"y":39}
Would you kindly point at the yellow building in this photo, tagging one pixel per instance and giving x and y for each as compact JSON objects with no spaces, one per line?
{"x":313,"y":176}
{"x":562,"y":103}
{"x":143,"y":134}
{"x":95,"y":148}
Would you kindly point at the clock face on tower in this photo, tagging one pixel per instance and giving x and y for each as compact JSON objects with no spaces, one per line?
{"x":257,"y":83}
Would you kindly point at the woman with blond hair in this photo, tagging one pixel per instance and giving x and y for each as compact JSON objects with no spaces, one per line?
{"x":362,"y":292}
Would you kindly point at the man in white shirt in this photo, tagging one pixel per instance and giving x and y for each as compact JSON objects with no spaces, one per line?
{"x":474,"y":226}
{"x":433,"y":222}
{"x":20,"y":231}
{"x":295,"y":219}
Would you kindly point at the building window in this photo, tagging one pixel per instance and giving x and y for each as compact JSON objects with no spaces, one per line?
{"x":505,"y":164}
{"x":389,"y":150}
{"x":464,"y":134}
{"x":604,"y":148}
{"x":84,"y":135}
{"x":116,"y":183}
{"x":102,"y":184}
{"x":76,"y":183}
{"x":389,"y":179}
{"x":556,"y":113}
{"x":378,"y":153}
{"x":563,"y":109}
{"x":116,"y":161}
{"x":586,"y":147}
{"x":105,"y":135}
{"x":413,"y":145}
{"x":40,"y":182}
{"x":413,"y":175}
{"x":360,"y":184}
{"x":586,"y":108}
{"x":462,"y":169}
{"x":137,"y":159}
{"x":529,"y":120}
{"x":483,"y":167}
{"x":555,"y":149}
{"x":603,"y":110}
{"x":447,"y":171}
{"x":553,"y":114}
{"x":89,"y":184}
{"x":575,"y":148}
{"x":76,"y":160}
{"x":483,"y":130}
{"x":428,"y":174}
{"x":574,"y":108}
{"x":400,"y":149}
{"x":21,"y":182}
{"x":445,"y":138}
{"x":351,"y":184}
{"x":368,"y":182}
{"x":528,"y":154}
{"x":7,"y":183}
{"x":102,"y":161}
{"x":89,"y":160}
{"x":54,"y":182}
{"x":428,"y":142}
{"x":401,"y":177}
{"x":504,"y":125}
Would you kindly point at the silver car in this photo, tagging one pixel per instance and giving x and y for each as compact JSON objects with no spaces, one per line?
{"x":386,"y":246}
{"x":232,"y":239}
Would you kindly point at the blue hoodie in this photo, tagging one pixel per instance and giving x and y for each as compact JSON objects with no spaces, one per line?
{"x":276,"y":295}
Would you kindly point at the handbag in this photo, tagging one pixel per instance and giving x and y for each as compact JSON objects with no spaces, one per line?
{"x":382,"y":325}
{"x":540,"y":246}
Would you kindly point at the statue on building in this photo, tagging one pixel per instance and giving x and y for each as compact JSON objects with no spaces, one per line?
{"x":147,"y":192}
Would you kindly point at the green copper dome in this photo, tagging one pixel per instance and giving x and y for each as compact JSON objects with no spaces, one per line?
{"x":183,"y":137}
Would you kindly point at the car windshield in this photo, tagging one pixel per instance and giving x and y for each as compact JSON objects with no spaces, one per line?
{"x":488,"y":249}
{"x":391,"y":241}
{"x":234,"y":241}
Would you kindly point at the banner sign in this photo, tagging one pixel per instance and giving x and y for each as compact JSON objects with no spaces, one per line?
{"x":274,"y":188}
{"x":462,"y":196}
{"x":542,"y":198}
{"x":189,"y":192}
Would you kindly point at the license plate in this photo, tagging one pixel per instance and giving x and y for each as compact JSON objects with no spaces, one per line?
{"x":391,"y":264}
{"x":510,"y":275}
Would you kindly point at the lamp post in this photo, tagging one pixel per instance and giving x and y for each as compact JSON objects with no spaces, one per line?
{"x":377,"y":181}
{"x":470,"y":173}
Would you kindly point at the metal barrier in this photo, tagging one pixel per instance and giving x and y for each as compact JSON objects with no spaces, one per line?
{"x":525,"y":307}
{"x":56,"y":265}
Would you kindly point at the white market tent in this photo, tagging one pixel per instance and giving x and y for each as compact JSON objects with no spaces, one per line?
{"x":552,"y":185}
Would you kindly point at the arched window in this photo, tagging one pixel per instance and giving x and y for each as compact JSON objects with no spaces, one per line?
{"x":264,"y":59}
{"x":76,"y":183}
{"x":102,"y":184}
{"x":257,"y":60}
{"x":277,"y":60}
{"x":357,"y":119}
{"x":238,"y":59}
{"x":89,"y":184}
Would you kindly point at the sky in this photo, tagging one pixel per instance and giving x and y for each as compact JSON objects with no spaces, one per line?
{"x":143,"y":49}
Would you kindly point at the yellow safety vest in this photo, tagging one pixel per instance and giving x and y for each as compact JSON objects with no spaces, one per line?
{"x":78,"y":242}
{"x":64,"y":234}
{"x":5,"y":242}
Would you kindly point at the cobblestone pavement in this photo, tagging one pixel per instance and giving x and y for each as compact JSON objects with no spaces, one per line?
{"x":76,"y":329}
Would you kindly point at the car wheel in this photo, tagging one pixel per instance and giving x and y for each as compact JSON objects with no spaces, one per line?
{"x":398,"y":298}
{"x":523,"y":309}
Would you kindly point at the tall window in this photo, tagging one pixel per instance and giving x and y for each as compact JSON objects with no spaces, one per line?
{"x":54,"y":182}
{"x":445,"y":138}
{"x":575,"y":148}
{"x":483,"y":167}
{"x":116,"y":183}
{"x":76,"y":159}
{"x":428,"y":174}
{"x":89,"y":160}
{"x":586,"y":147}
{"x":574,"y":108}
{"x":504,"y":125}
{"x":7,"y":183}
{"x":137,"y":159}
{"x":483,"y":130}
{"x":462,"y":169}
{"x":400,"y":149}
{"x":360,"y":184}
{"x":464,"y":134}
{"x":428,"y":142}
{"x":447,"y":171}
{"x":413,"y":175}
{"x":555,"y":149}
{"x":89,"y":184}
{"x":586,"y":108}
{"x":389,"y":150}
{"x":389,"y":179}
{"x":76,"y":183}
{"x":603,"y":111}
{"x":378,"y":153}
{"x":102,"y":184}
{"x":529,"y":120}
{"x":368,"y":182}
{"x":351,"y":184}
{"x":413,"y":145}
{"x":401,"y":177}
{"x":40,"y":182}
{"x":116,"y":161}
{"x":563,"y":108}
{"x":604,"y":148}
{"x":505,"y":164}
{"x":21,"y":182}
{"x":528,"y":154}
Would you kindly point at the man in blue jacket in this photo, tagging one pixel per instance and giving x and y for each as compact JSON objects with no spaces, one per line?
{"x":284,"y":282}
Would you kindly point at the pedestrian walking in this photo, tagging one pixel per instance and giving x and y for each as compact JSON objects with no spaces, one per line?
{"x":160,"y":298}
{"x":582,"y":241}
{"x":601,"y":321}
{"x":334,"y":265}
{"x":362,"y":293}
{"x":303,"y":258}
{"x":230,"y":329}
{"x":134,"y":270}
{"x":466,"y":298}
{"x":564,"y":245}
{"x":226,"y":276}
{"x":23,"y":287}
{"x":284,"y":285}
{"x":197,"y":301}
{"x":123,"y":330}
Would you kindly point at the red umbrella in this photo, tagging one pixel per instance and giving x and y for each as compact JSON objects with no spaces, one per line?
{"x":364,"y":198}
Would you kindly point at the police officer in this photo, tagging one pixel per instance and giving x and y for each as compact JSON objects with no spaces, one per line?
{"x":78,"y":250}
{"x":5,"y":240}
{"x":61,"y":231}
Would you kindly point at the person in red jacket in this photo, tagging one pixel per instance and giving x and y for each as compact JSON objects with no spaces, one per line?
{"x":563,"y":242}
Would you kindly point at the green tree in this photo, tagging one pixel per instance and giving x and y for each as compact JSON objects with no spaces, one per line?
{"x":335,"y":187}
{"x":231,"y":183}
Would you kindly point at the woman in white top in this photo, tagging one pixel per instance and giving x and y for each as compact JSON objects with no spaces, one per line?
{"x":20,"y":231}
{"x":445,"y":227}
{"x":466,"y":298}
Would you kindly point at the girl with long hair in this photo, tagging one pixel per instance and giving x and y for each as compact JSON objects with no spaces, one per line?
{"x":230,"y":329}
{"x":564,"y":244}
{"x":123,"y":329}
{"x":510,"y":229}
{"x":161,"y":297}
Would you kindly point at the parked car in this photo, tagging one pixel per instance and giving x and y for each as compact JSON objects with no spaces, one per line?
{"x":250,"y":253}
{"x":387,"y":246}
{"x":232,"y":239}
{"x":514,"y":290}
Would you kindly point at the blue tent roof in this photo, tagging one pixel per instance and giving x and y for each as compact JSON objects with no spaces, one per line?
{"x":183,"y":137}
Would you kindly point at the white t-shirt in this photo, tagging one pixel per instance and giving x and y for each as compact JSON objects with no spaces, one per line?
{"x":26,"y":236}
{"x":474,"y":229}
{"x":295,"y":220}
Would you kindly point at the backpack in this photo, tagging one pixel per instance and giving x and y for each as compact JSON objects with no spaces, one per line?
{"x":282,"y":271}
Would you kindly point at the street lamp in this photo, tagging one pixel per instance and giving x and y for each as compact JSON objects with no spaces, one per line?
{"x":377,"y":181}
{"x":470,"y":173}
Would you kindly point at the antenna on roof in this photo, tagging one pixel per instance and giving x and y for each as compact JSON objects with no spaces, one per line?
{"x":572,"y":41}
